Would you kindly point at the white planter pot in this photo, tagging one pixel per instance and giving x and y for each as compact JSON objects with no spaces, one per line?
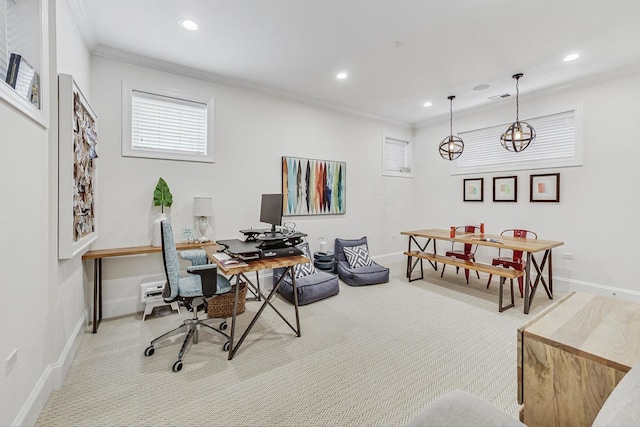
{"x":156,"y":238}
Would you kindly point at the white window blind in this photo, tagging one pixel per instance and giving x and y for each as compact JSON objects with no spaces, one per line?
{"x":554,"y":146}
{"x":4,"y":50}
{"x":397,"y":157}
{"x":171,"y":125}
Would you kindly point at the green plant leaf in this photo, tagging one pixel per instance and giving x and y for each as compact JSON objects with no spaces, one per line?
{"x":161,"y":195}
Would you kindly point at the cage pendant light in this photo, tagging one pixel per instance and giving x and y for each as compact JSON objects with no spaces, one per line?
{"x":519,"y":135}
{"x":452,"y":146}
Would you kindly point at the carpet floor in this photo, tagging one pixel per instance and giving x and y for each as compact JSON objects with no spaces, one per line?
{"x":372,"y":355}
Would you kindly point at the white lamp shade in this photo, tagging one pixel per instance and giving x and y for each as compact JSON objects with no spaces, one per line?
{"x":202,"y":206}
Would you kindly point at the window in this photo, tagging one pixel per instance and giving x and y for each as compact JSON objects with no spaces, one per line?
{"x":23,"y":32}
{"x":162,"y":125}
{"x":556,"y":145}
{"x":397,"y":157}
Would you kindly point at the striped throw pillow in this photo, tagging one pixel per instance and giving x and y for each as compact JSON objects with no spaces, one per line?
{"x":358,"y":256}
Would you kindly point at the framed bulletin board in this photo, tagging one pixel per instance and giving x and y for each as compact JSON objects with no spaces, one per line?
{"x":77,"y":140}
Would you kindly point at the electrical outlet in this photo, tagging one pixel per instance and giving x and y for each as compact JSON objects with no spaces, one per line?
{"x":567,"y":255}
{"x":11,"y":362}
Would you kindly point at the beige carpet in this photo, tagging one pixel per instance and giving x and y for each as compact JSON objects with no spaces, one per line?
{"x":371,"y":355}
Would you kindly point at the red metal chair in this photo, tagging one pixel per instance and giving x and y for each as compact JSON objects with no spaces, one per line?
{"x":468,"y":252}
{"x":515,"y":261}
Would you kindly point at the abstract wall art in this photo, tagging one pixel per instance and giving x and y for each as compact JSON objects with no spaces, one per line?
{"x":473,"y":190}
{"x":544,"y":187}
{"x":313,"y":187}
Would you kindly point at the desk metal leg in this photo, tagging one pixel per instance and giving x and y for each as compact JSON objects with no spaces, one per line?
{"x":97,"y":294}
{"x":233,"y":317}
{"x":267,"y":301}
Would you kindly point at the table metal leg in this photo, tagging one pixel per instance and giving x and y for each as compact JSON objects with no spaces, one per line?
{"x":267,"y":302}
{"x":527,"y":281}
{"x":412,"y":265}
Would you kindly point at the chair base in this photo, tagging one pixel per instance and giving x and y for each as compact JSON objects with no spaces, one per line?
{"x":191,"y":327}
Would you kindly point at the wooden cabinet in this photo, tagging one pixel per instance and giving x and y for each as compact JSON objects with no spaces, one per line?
{"x":571,"y":357}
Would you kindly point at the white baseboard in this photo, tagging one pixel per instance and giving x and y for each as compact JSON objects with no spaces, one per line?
{"x":52,"y":378}
{"x":571,"y":285}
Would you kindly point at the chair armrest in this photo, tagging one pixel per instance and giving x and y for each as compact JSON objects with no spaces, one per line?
{"x":208,"y":275}
{"x":196,"y":256}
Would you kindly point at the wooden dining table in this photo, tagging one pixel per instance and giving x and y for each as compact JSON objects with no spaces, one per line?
{"x":527,"y":245}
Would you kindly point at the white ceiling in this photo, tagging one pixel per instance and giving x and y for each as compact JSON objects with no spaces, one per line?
{"x":398,"y":53}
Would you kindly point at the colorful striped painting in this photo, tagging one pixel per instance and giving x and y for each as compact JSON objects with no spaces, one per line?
{"x":313,"y":187}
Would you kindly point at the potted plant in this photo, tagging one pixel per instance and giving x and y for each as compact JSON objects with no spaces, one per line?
{"x":161,"y":197}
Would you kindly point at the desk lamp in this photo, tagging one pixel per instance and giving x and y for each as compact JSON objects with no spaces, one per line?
{"x":202,"y":208}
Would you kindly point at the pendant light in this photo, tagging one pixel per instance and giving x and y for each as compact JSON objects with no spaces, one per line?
{"x":452,"y":146}
{"x":520,"y":134}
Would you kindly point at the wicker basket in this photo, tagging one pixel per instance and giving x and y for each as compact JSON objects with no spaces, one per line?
{"x":221,"y":306}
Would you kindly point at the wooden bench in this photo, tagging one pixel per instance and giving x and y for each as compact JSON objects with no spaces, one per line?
{"x":503,"y":273}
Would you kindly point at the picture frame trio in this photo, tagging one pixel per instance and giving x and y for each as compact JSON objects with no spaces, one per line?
{"x":542,"y":188}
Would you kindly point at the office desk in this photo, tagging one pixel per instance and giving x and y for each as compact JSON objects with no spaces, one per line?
{"x":99,"y":254}
{"x":257,"y":265}
{"x":529,"y":246}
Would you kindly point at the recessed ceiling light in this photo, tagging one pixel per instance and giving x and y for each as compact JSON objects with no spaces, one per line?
{"x":571,"y":57}
{"x":428,"y":104}
{"x":482,"y":87}
{"x":188,"y":24}
{"x":341,"y":76}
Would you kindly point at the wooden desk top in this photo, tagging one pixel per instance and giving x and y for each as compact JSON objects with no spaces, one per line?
{"x":255,"y":265}
{"x":602,"y":329}
{"x":517,"y":243}
{"x":139,"y":250}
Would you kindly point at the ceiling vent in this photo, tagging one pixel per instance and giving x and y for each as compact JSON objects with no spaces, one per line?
{"x":499,"y":97}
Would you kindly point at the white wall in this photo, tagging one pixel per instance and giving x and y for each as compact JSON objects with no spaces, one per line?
{"x":598,"y":202}
{"x":252,"y":133}
{"x":44,"y":313}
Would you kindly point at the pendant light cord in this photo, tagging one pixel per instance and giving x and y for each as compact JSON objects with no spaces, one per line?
{"x":451,"y":98}
{"x":517,"y":99}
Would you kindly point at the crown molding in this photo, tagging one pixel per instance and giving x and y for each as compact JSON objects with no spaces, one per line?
{"x":181,"y":70}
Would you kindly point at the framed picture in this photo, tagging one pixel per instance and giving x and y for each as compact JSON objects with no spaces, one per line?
{"x":505,"y":189}
{"x":76,"y":170}
{"x":313,"y":187}
{"x":473,"y":190}
{"x":545,"y":188}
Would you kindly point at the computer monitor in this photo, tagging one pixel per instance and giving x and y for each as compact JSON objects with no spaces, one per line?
{"x":271,"y":211}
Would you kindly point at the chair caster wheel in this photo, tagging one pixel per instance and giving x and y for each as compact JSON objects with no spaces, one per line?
{"x":149,"y":351}
{"x":223,"y":326}
{"x":225,"y":347}
{"x":177,"y":367}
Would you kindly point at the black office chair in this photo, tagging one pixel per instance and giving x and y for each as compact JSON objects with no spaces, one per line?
{"x":205,"y":283}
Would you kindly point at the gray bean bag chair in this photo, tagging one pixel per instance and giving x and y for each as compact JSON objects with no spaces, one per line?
{"x":312,"y":284}
{"x":355,"y":267}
